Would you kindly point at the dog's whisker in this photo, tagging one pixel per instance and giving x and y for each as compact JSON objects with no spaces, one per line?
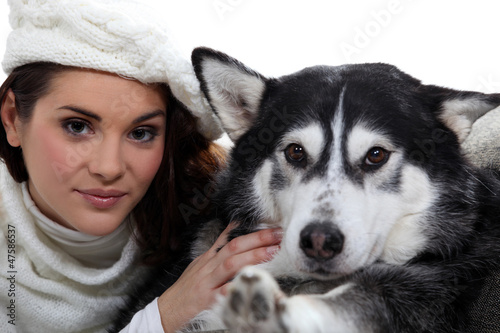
{"x":479,"y":181}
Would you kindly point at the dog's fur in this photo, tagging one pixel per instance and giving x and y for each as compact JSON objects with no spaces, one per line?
{"x":387,"y":228}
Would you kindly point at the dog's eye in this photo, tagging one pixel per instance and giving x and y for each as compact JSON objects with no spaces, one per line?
{"x":295,"y":154}
{"x":376,"y":156}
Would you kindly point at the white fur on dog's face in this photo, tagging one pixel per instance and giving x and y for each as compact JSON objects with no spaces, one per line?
{"x":381,"y":219}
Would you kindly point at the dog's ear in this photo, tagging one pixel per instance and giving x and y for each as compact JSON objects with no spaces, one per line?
{"x":233,"y":90}
{"x":460,"y":109}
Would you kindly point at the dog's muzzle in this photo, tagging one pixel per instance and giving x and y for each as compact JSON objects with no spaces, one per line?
{"x":321,"y":241}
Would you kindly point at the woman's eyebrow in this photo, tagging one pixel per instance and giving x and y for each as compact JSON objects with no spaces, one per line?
{"x":90,"y":114}
{"x":149,"y":115}
{"x":81,"y":111}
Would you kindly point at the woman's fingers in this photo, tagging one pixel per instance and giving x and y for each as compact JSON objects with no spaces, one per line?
{"x":219,"y":266}
{"x":261,"y":238}
{"x":233,"y":264}
{"x":208,"y":274}
{"x":212,"y":252}
{"x":222,"y":239}
{"x":250,"y":249}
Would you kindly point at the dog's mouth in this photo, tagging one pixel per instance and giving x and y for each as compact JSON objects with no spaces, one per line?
{"x":322,"y":274}
{"x":327,"y":270}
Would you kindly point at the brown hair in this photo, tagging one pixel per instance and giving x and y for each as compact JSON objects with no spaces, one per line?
{"x":188,"y":165}
{"x":184,"y":178}
{"x":29,"y":83}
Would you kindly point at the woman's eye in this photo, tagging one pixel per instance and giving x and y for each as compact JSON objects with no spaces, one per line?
{"x":296,"y":155}
{"x":77,"y":127}
{"x":143,"y":135}
{"x":376,"y":156}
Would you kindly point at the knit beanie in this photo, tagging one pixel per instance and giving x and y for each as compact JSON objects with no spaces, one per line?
{"x":124,"y":37}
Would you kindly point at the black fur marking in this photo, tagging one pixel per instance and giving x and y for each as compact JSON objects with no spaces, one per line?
{"x":278,"y":180}
{"x":394,"y":183}
{"x":324,"y":211}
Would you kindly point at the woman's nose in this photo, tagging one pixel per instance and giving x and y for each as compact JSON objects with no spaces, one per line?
{"x":107,"y":161}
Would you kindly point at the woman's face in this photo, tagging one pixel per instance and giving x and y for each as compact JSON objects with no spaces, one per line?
{"x":92,"y":148}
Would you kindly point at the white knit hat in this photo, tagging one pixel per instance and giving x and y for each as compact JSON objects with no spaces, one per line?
{"x":117,"y":36}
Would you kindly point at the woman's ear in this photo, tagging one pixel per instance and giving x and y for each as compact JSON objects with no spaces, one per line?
{"x":10,"y":118}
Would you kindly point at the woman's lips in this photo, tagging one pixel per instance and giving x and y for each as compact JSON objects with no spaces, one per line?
{"x":101,"y":198}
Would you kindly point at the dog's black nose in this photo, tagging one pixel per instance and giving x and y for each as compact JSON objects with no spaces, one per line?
{"x":321,"y":240}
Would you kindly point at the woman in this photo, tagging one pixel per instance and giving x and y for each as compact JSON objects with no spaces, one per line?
{"x":98,"y":153}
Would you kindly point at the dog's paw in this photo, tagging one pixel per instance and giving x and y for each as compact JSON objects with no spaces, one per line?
{"x":254,"y":303}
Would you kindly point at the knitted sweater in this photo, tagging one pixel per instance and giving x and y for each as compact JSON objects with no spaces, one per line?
{"x":45,"y":289}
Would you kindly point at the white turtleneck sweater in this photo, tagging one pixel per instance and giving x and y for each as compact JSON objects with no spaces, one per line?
{"x":53,"y":279}
{"x":92,"y":251}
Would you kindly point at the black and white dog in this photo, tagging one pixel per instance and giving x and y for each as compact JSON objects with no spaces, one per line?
{"x":387,"y":228}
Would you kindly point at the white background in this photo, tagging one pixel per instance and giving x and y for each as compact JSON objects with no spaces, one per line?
{"x":444,"y":42}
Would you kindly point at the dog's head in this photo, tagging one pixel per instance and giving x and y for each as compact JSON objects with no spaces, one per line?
{"x":351,"y":160}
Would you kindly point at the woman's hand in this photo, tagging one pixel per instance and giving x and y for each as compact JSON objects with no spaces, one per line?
{"x":209,"y":274}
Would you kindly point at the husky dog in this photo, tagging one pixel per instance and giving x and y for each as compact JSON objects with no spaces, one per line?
{"x":387,"y":228}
